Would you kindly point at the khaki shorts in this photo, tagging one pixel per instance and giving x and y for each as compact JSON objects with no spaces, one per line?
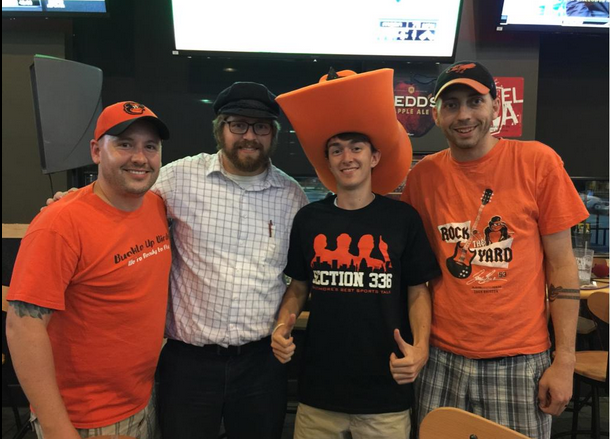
{"x":313,"y":423}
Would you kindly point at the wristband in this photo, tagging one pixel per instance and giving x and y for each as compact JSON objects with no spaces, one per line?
{"x":276,"y":328}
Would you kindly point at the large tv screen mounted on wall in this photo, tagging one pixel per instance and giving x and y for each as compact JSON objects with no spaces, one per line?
{"x":53,"y":8}
{"x":388,"y":29}
{"x":578,"y":16}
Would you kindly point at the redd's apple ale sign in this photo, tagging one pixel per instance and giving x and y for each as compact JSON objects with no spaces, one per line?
{"x":413,"y":100}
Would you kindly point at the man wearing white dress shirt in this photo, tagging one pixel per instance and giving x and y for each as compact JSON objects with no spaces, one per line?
{"x":231,"y":215}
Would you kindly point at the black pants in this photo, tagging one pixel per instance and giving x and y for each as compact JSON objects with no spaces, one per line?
{"x":199,"y":388}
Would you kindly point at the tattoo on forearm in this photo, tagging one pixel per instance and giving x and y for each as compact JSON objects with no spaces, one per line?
{"x":558,"y":292}
{"x":27,"y":309}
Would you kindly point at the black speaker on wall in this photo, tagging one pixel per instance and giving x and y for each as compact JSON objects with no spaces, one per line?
{"x":67,"y":103}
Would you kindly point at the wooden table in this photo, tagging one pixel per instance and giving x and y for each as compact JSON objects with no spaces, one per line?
{"x":603,"y":286}
{"x":301,"y":322}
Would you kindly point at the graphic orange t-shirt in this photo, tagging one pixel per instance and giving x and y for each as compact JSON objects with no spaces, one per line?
{"x":105,"y":272}
{"x":484,"y":219}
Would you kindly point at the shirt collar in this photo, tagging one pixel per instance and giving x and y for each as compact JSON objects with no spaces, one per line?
{"x":273,"y":177}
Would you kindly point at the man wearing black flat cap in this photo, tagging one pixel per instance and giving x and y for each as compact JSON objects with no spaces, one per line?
{"x":231,"y":216}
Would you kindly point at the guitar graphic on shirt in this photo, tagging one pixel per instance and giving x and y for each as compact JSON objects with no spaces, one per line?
{"x":457,"y":264}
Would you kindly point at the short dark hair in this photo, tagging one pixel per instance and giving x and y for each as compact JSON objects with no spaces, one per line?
{"x":353,"y":137}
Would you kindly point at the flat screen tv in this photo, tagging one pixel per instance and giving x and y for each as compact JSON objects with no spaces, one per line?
{"x":588,"y":16}
{"x":51,"y":8}
{"x":388,"y":29}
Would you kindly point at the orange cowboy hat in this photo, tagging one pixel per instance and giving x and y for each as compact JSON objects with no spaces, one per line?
{"x":352,"y":103}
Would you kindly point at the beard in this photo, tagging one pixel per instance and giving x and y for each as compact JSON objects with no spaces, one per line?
{"x":247,"y":164}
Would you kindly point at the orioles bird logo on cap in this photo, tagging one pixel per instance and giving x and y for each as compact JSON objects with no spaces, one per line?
{"x":134,"y":108}
{"x":462,"y":68}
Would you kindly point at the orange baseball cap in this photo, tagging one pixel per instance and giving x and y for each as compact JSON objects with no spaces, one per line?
{"x":352,"y":103}
{"x":116,"y":118}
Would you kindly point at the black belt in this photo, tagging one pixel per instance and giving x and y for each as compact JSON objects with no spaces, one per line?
{"x":254,"y":346}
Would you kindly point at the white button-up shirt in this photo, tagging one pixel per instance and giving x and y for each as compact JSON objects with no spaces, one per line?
{"x":229,"y":250}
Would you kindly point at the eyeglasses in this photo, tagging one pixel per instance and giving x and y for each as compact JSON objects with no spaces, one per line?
{"x":241,"y":127}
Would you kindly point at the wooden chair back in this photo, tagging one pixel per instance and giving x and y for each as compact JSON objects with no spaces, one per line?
{"x":14,"y":230}
{"x":4,"y":302}
{"x":453,"y":423}
{"x":598,"y":304}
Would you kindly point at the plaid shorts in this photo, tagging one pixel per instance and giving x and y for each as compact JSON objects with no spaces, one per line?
{"x":142,"y":425}
{"x":504,"y":390}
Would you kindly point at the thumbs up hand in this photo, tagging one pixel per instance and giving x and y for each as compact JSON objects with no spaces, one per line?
{"x":405,"y":370}
{"x":282,"y":341}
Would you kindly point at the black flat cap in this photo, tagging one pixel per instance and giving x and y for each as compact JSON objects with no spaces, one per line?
{"x":248,"y":99}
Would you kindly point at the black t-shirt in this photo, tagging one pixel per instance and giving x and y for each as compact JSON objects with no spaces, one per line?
{"x":358,"y":264}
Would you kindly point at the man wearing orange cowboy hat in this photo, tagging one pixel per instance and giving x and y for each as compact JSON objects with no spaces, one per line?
{"x":489,"y":340}
{"x":367,"y":334}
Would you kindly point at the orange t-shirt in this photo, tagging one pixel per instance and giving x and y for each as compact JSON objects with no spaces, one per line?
{"x":484,"y":219}
{"x":105,"y":272}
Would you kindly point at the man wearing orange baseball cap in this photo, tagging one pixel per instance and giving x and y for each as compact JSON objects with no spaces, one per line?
{"x":88,"y":294}
{"x":362,"y":257}
{"x":226,"y":282}
{"x":489,"y":339}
